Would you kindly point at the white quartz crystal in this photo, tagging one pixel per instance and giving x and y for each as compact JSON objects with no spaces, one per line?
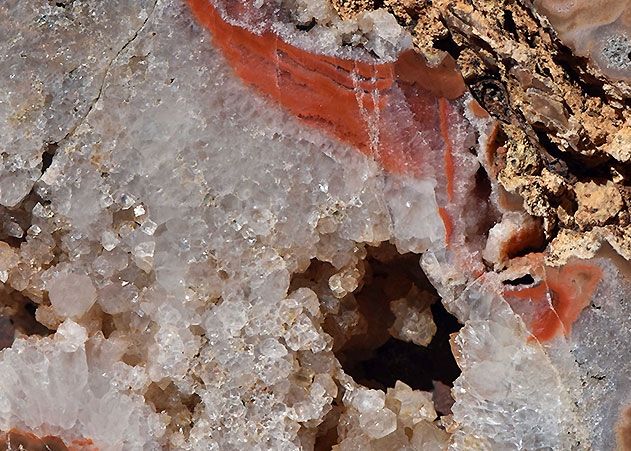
{"x":378,"y":423}
{"x":65,"y":384}
{"x":413,"y":318}
{"x":71,"y":295}
{"x":182,"y":216}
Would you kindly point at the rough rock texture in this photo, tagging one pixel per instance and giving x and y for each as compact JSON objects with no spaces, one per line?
{"x":563,"y":122}
{"x":61,"y":55}
{"x":596,"y":29}
{"x":246,"y":224}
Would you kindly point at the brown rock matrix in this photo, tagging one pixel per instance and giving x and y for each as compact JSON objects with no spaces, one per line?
{"x":564,"y":123}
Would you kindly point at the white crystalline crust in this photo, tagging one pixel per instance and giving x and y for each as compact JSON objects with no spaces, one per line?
{"x":603,"y":369}
{"x":74,"y":387}
{"x":177,"y":208}
{"x":376,"y":32}
{"x":505,"y":382}
{"x":53,"y":64}
{"x":186,"y":202}
{"x":562,"y":394}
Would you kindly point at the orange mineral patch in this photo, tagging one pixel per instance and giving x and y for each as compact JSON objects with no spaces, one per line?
{"x":529,"y":236}
{"x":83,"y":444}
{"x":558,"y":299}
{"x":448,"y":223}
{"x":18,"y":440}
{"x":384,"y":109}
{"x":443,"y":108}
{"x":477,"y":110}
{"x":21,"y":440}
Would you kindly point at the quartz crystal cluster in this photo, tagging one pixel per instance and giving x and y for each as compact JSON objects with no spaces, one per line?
{"x":214,"y":214}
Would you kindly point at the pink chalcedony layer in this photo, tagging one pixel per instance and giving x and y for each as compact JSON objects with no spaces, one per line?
{"x":335,"y":94}
{"x":400,"y":113}
{"x":404,"y":114}
{"x":555,"y":303}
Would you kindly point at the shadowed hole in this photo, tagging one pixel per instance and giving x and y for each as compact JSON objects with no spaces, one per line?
{"x":523,"y":280}
{"x":374,"y":345}
{"x":17,"y":317}
{"x":417,"y":366}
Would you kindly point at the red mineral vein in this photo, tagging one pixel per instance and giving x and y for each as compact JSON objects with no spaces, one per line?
{"x":396,"y":112}
{"x":349,"y":99}
{"x":558,"y":299}
{"x":443,"y":107}
{"x":449,"y":226}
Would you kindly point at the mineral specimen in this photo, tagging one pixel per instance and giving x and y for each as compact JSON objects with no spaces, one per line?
{"x":600,"y":30}
{"x":314,"y":224}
